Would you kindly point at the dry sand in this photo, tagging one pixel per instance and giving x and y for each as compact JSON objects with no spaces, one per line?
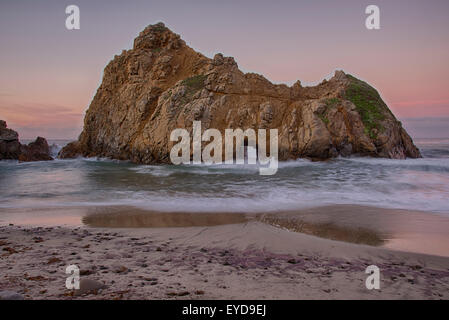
{"x":244,"y":260}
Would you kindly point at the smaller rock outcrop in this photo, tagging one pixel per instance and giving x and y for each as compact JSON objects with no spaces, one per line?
{"x":35,"y":151}
{"x":70,"y":151}
{"x":12,"y":149}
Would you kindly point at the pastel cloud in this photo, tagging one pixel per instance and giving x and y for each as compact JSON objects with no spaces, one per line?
{"x":50,"y":74}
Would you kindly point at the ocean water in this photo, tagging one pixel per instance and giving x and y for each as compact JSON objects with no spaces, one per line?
{"x":418,"y":184}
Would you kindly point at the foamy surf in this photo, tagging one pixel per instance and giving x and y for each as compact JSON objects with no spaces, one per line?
{"x":416,"y":184}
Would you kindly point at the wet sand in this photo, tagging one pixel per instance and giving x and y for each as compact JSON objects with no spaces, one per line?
{"x":403,"y":230}
{"x":125,"y":217}
{"x":226,"y":259}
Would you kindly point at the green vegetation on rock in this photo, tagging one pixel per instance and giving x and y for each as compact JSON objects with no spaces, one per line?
{"x":369,"y":105}
{"x":194,"y":83}
{"x":160,"y":27}
{"x":330,"y":103}
{"x":323,"y":118}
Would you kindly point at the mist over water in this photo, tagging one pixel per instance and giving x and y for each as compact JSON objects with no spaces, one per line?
{"x":418,"y":184}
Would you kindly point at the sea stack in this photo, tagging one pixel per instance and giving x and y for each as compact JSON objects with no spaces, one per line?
{"x":162,"y":84}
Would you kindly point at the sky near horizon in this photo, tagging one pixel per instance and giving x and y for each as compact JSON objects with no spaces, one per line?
{"x":49,"y":74}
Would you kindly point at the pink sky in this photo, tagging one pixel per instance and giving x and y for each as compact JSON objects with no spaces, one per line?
{"x":49,"y":74}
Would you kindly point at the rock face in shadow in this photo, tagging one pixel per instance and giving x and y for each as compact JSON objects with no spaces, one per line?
{"x":36,"y":151}
{"x":12,"y":149}
{"x":70,"y":151}
{"x":162,"y":84}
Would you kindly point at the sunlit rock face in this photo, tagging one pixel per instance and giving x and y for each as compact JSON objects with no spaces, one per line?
{"x":162,"y":84}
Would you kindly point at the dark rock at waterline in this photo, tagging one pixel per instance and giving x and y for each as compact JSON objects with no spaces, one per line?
{"x":12,"y":149}
{"x":9,"y":143}
{"x":71,"y":150}
{"x":36,"y":151}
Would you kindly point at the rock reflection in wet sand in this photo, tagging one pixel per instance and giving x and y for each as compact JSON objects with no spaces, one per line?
{"x":135,"y":218}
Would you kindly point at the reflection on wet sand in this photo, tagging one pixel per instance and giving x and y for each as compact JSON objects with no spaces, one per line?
{"x":403,"y":230}
{"x":396,"y":229}
{"x":135,"y":218}
{"x":130,"y":217}
{"x":326,"y":230}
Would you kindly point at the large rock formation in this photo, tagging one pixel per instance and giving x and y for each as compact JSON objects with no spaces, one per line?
{"x":12,"y":149}
{"x":162,"y":84}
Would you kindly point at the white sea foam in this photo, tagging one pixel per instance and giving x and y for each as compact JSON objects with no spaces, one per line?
{"x":418,"y":184}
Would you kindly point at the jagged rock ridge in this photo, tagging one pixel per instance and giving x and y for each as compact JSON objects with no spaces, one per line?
{"x":162,"y":84}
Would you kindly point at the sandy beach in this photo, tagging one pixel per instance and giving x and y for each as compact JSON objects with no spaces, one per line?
{"x":230,"y":155}
{"x":239,"y":257}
